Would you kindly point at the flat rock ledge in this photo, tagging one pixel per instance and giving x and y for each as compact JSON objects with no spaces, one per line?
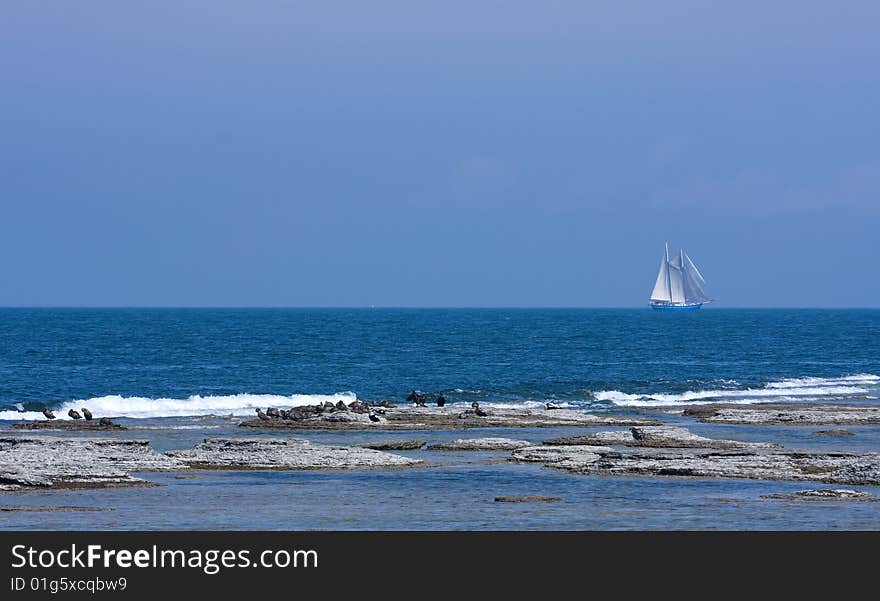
{"x":657,"y":437}
{"x":480,"y":444}
{"x":55,"y":462}
{"x":527,"y":499}
{"x":825,"y":494}
{"x":708,"y":462}
{"x":446,"y":418}
{"x":395,"y":445}
{"x":786,"y":416}
{"x":283,"y":454}
{"x":69,"y":425}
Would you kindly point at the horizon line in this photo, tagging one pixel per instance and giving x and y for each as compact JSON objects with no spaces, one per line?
{"x":430,"y":307}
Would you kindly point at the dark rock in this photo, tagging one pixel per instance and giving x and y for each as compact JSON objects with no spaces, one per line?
{"x":341,"y":406}
{"x":700,"y":411}
{"x":273,"y":412}
{"x":833,"y":433}
{"x":395,"y":445}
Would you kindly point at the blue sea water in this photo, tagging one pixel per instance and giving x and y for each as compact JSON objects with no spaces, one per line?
{"x":215,"y":360}
{"x":176,"y":376}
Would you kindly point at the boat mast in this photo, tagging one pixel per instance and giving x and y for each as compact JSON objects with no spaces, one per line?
{"x":683,"y":287}
{"x":668,"y":280}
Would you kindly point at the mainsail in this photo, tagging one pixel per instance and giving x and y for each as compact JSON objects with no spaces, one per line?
{"x":679,"y":282}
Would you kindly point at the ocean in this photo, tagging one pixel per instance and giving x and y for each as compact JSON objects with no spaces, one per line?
{"x":187,"y":362}
{"x":175,"y":376}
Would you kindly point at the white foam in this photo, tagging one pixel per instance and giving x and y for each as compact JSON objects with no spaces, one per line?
{"x":793,"y":389}
{"x":142,"y":407}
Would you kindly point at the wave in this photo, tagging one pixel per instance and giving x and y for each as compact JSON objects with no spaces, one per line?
{"x":790,"y":389}
{"x":238,"y":405}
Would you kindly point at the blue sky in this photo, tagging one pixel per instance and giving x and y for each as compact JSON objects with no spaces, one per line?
{"x":447,"y":153}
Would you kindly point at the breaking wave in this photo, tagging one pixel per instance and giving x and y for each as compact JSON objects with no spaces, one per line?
{"x":142,"y":407}
{"x":790,"y":389}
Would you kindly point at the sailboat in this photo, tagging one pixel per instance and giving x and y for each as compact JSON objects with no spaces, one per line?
{"x":679,"y":284}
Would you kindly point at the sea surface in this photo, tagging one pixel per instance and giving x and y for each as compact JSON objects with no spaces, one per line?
{"x":177,"y":375}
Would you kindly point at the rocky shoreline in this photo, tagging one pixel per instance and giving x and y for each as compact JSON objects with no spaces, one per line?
{"x":665,"y":451}
{"x":70,"y":426}
{"x":439,"y":418}
{"x":284,"y":453}
{"x":785,"y":415}
{"x":639,"y":446}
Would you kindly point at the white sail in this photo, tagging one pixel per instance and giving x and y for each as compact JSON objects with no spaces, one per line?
{"x":676,"y":280}
{"x":661,"y":288}
{"x":693,"y":282}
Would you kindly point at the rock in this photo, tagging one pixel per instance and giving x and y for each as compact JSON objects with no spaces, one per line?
{"x":395,"y":445}
{"x":480,"y":444}
{"x":658,"y":436}
{"x":700,"y":411}
{"x":359,"y":407}
{"x":833,"y":433}
{"x":77,"y":462}
{"x":527,"y":499}
{"x":782,"y":415}
{"x":102,"y":424}
{"x":341,"y":406}
{"x":447,"y":418}
{"x":752,"y":460}
{"x":824,"y":495}
{"x":281,"y":453}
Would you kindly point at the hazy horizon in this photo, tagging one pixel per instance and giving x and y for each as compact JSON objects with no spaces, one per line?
{"x":439,"y":154}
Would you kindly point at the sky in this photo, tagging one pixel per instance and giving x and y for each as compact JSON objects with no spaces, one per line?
{"x":437,"y":153}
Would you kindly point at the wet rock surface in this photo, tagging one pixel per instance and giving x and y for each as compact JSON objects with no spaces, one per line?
{"x":657,"y":436}
{"x":480,"y":444}
{"x":825,"y":494}
{"x":833,"y":433}
{"x":443,"y":418}
{"x":778,"y":415}
{"x":283,"y":453}
{"x":752,"y":460}
{"x":56,"y":462}
{"x":395,"y":445}
{"x":70,"y":425}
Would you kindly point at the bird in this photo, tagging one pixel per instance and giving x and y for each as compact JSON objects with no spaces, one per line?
{"x":549,"y":406}
{"x":479,"y":412}
{"x":273,"y":412}
{"x":441,"y":400}
{"x":87,"y":414}
{"x":74,"y":414}
{"x":373,"y":417}
{"x":48,"y":413}
{"x":261,"y":414}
